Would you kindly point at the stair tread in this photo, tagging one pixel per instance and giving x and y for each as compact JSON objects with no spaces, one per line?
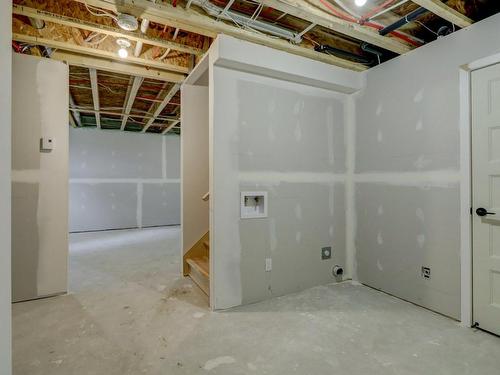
{"x":206,"y":244}
{"x":201,"y":264}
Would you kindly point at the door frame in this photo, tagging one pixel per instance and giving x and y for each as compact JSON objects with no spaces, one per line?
{"x":466,"y":228}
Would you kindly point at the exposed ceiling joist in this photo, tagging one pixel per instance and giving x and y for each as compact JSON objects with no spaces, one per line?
{"x":301,"y":9}
{"x":444,"y":11}
{"x":95,"y":95}
{"x":72,"y":47}
{"x":161,"y":106}
{"x":74,"y":116}
{"x":121,"y":114}
{"x":116,"y":67}
{"x":130,"y":98}
{"x":190,"y":20}
{"x":170,"y":127}
{"x":103,"y":29}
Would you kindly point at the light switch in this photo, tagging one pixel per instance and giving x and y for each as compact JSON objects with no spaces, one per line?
{"x":46,"y":144}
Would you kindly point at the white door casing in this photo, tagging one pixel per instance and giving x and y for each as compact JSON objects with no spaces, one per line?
{"x":485,"y":97}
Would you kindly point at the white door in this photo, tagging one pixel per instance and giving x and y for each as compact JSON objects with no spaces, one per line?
{"x":486,"y":197}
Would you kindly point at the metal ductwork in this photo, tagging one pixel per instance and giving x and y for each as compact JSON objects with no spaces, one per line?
{"x":246,"y":21}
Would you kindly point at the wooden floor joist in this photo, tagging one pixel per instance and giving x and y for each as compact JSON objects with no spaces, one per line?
{"x":190,"y":20}
{"x":301,"y":9}
{"x":161,"y":106}
{"x":130,"y":98}
{"x":116,"y":66}
{"x":103,"y":29}
{"x":444,"y":11}
{"x":75,"y":48}
{"x":95,"y":96}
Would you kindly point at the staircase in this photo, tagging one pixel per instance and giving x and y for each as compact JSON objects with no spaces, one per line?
{"x":197,"y":263}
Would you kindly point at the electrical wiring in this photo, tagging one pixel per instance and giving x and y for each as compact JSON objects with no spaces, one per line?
{"x":102,"y":14}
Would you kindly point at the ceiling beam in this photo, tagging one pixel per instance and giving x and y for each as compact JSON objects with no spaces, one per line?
{"x":161,"y":106}
{"x":95,"y":95}
{"x":120,"y":114}
{"x":444,"y":11}
{"x":116,"y":67}
{"x":169,"y":127}
{"x":130,"y":98}
{"x":75,"y":48}
{"x":314,"y":15}
{"x":190,"y":20}
{"x":73,"y":115}
{"x":103,"y":29}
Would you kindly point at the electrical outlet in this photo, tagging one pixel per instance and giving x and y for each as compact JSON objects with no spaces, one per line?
{"x":269,"y":264}
{"x":326,"y":253}
{"x":426,"y":272}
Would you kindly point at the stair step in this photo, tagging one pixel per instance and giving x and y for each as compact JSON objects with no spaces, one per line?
{"x":199,"y":271}
{"x":206,"y":244}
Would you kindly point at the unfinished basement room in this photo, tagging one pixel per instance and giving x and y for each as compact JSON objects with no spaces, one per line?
{"x":229,"y":187}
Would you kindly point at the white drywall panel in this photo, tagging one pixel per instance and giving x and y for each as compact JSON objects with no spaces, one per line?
{"x":111,"y":154}
{"x":161,"y":204}
{"x":289,"y":140}
{"x":5,"y":188}
{"x":241,"y":55}
{"x":407,"y":132}
{"x":404,"y":228}
{"x":102,"y":206}
{"x":109,"y":173}
{"x":194,"y":151}
{"x":39,"y":179}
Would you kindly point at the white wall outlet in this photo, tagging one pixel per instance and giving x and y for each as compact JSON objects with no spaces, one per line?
{"x":46,"y":144}
{"x":253,"y":204}
{"x":269,"y":264}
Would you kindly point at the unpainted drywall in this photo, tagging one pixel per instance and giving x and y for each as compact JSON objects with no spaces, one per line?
{"x":5,"y":188}
{"x":39,"y":179}
{"x":195,"y":165}
{"x":289,"y":140}
{"x":407,"y":166}
{"x":123,"y":180}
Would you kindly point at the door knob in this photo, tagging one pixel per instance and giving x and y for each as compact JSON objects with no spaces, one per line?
{"x":483,"y":212}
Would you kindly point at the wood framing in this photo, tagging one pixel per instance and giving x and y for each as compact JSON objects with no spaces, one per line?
{"x":188,"y":19}
{"x":129,"y":101}
{"x":116,"y":67}
{"x":103,"y":29}
{"x":72,"y":47}
{"x":444,"y":11}
{"x":161,"y":106}
{"x":169,"y":127}
{"x":95,"y":96}
{"x":301,"y":9}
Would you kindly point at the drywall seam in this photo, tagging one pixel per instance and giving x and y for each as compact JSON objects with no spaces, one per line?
{"x":439,"y":178}
{"x":124,"y":180}
{"x":350,"y":220}
{"x":139,"y":204}
{"x":164,"y":158}
{"x":277,"y":177}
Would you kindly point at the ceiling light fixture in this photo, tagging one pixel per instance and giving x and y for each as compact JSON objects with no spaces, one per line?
{"x":124,"y":44}
{"x":127,"y":22}
{"x":360,"y":3}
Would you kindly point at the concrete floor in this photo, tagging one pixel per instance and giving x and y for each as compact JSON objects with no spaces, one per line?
{"x":130,"y":312}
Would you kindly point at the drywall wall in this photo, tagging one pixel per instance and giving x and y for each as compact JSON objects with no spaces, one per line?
{"x":407,"y":171}
{"x":39,"y":178}
{"x":123,"y":180}
{"x":195,"y":164}
{"x":5,"y":188}
{"x":287,"y":139}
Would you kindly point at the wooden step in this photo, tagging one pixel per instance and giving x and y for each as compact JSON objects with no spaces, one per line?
{"x":207,"y":245}
{"x":199,"y":271}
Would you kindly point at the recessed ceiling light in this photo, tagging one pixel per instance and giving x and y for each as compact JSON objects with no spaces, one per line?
{"x":360,"y":3}
{"x":124,"y":44}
